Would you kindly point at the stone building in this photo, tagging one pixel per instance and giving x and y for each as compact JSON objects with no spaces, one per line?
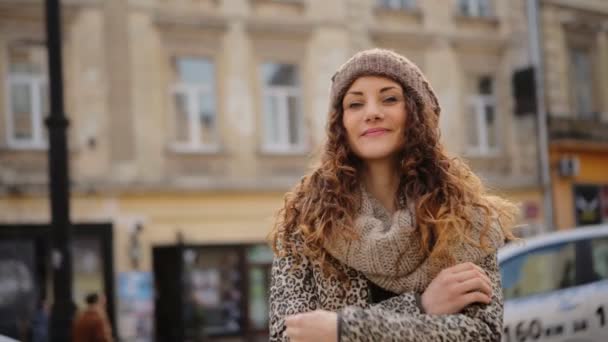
{"x":189,"y":119}
{"x":575,"y":47}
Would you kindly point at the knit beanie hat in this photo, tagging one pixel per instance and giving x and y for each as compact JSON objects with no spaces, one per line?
{"x":386,"y":63}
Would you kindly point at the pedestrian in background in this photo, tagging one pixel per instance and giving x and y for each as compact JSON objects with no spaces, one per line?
{"x":40,"y":323}
{"x":92,"y":324}
{"x":389,"y":238}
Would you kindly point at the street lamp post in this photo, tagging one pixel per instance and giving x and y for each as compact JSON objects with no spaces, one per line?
{"x":536,"y":56}
{"x":61,"y":256}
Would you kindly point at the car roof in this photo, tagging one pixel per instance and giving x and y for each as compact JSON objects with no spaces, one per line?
{"x":575,"y":234}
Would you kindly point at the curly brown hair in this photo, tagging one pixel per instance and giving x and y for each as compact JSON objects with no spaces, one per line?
{"x":445,"y":191}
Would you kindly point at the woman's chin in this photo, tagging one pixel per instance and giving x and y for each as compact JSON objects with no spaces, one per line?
{"x":374,"y":156}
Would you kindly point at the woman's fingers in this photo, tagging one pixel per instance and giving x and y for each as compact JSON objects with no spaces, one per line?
{"x":470,"y":284}
{"x":456,"y":287}
{"x":465,"y":266}
{"x":318,"y":326}
{"x":473,"y":297}
{"x":292,"y":320}
{"x":291,"y":332}
{"x":292,"y":326}
{"x":469,"y":269}
{"x":474,"y":285}
{"x":471,"y":274}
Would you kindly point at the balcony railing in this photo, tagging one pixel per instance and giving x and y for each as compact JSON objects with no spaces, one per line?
{"x":561,"y":128}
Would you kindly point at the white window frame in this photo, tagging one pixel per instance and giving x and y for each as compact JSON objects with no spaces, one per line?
{"x":192,"y":93}
{"x":34,"y":83}
{"x":282,"y":93}
{"x":478,"y":103}
{"x":574,"y":83}
{"x":401,"y":5}
{"x":474,"y":7}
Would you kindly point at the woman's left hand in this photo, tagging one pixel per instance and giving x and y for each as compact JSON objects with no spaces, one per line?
{"x":313,"y":326}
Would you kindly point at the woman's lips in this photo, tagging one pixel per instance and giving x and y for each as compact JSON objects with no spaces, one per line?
{"x":374,"y":132}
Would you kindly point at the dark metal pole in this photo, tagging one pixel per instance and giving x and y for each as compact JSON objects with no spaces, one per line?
{"x":61,"y":256}
{"x":536,"y":54}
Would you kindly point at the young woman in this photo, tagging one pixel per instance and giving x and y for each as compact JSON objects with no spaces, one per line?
{"x":388,"y":238}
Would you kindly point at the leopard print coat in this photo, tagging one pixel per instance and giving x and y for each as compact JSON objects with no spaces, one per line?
{"x":298,"y":285}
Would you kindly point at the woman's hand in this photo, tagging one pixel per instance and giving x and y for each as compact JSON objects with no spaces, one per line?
{"x":455,"y":288}
{"x":313,"y":326}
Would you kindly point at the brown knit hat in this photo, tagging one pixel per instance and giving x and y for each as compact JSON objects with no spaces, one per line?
{"x":386,"y":63}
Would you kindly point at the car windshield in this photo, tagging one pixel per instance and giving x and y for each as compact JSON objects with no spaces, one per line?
{"x":542,"y":270}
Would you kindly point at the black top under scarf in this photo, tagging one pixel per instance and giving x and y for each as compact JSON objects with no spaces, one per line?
{"x":378,"y":294}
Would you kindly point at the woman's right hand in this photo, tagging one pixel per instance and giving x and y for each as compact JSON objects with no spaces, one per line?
{"x":455,"y":288}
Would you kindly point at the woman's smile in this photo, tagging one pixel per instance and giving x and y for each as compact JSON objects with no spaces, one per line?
{"x":375,"y":132}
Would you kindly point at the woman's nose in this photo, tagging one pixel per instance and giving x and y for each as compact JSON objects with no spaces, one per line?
{"x":373,"y":112}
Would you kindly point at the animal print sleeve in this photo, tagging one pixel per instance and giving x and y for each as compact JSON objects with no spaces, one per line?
{"x":292,"y":290}
{"x":477,"y":322}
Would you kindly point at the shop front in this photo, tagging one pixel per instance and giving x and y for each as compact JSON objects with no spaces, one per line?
{"x":212,"y":292}
{"x":25,"y":269}
{"x":580,"y":183}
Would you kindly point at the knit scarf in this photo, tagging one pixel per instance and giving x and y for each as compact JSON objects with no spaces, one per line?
{"x":388,"y":251}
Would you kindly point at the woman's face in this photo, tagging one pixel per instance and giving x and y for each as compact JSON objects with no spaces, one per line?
{"x":374,"y":117}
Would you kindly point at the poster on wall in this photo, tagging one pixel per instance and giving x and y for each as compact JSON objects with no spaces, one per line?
{"x":604,"y":203}
{"x":587,"y":205}
{"x":135,"y":306}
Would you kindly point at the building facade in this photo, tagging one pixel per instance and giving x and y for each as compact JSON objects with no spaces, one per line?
{"x":575,"y":47}
{"x":189,"y":119}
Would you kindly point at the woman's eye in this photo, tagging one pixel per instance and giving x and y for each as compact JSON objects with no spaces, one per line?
{"x":355,"y":105}
{"x":390,"y":99}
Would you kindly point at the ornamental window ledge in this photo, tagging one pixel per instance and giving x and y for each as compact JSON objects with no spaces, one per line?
{"x":191,"y":20}
{"x":403,"y":17}
{"x":278,"y":8}
{"x":294,"y":28}
{"x":483,"y":41}
{"x":404,"y":36}
{"x":489,"y":24}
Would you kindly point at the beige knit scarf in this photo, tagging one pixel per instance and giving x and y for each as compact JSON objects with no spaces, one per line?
{"x":383,"y":240}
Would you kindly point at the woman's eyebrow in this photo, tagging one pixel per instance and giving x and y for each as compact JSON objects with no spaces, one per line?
{"x":387,"y":88}
{"x":381,"y":90}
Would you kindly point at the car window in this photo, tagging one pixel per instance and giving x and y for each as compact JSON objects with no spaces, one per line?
{"x":599,"y":251}
{"x":539,"y":271}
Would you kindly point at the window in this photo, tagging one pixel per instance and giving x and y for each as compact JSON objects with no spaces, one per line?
{"x":226,"y":290}
{"x":397,"y":4}
{"x":27,"y":96}
{"x":474,"y":8}
{"x":88,"y":265}
{"x":539,"y":271}
{"x":599,"y":252}
{"x":259,"y":261}
{"x":213,"y":294}
{"x":482,"y":123}
{"x":282,"y":114}
{"x":582,"y":89}
{"x":194,"y":105}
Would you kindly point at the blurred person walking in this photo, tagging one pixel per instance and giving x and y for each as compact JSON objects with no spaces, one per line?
{"x":389,"y":238}
{"x":40,"y":322}
{"x":92,"y":324}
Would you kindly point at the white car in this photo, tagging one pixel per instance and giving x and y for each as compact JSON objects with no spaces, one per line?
{"x":556,"y":286}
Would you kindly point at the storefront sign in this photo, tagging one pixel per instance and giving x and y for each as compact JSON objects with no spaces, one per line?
{"x":587,"y":204}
